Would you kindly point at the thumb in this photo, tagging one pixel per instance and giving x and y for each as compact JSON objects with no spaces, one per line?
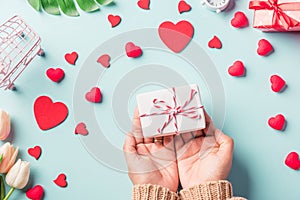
{"x":226,"y":143}
{"x":129,"y":144}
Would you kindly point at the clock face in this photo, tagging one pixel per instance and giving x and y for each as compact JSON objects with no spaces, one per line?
{"x":217,"y":3}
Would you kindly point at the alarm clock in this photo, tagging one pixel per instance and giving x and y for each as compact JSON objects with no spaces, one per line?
{"x":216,"y":5}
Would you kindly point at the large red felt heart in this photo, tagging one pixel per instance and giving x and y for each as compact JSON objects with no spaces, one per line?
{"x":132,"y":50}
{"x":292,"y":160}
{"x":35,"y":152}
{"x":237,"y":69}
{"x":94,"y":95}
{"x":264,"y":47}
{"x":239,"y":20}
{"x":81,"y":129}
{"x":215,"y":42}
{"x":61,"y":180}
{"x":277,"y":122}
{"x":183,"y":7}
{"x":48,"y":114}
{"x":71,"y":57}
{"x":277,"y":83}
{"x":144,"y":4}
{"x":35,"y":193}
{"x":56,"y":75}
{"x":176,"y":36}
{"x":114,"y":20}
{"x":104,"y":60}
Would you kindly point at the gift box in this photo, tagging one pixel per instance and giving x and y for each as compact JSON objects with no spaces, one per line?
{"x":276,"y":15}
{"x":171,"y":111}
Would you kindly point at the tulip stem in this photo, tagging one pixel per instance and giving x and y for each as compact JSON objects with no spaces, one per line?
{"x":9,"y":193}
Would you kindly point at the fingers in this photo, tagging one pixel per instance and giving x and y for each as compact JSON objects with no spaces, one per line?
{"x":148,"y":140}
{"x":137,"y":128}
{"x":129,"y":144}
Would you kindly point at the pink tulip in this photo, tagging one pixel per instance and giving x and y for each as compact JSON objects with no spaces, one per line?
{"x":9,"y":155}
{"x":4,"y":125}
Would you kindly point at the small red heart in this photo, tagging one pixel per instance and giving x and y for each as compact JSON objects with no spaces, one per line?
{"x":277,"y":122}
{"x":104,"y":60}
{"x":48,"y":114}
{"x":183,"y":7}
{"x":94,"y":95}
{"x":237,"y":69}
{"x":264,"y":47}
{"x":55,"y":75}
{"x":71,"y":57}
{"x":215,"y":42}
{"x":277,"y":83}
{"x":81,"y":129}
{"x":239,"y":20}
{"x":292,"y":160}
{"x":114,"y":20}
{"x":144,"y":4}
{"x":61,"y":180}
{"x":132,"y":50}
{"x":35,"y":152}
{"x":35,"y":193}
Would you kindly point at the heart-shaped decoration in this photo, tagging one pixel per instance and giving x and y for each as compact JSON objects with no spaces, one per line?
{"x":264,"y":47}
{"x":144,"y":4}
{"x":114,"y":20}
{"x":104,"y":60}
{"x":132,"y":50}
{"x":215,"y":42}
{"x":94,"y":95}
{"x":277,"y":83}
{"x":237,"y":69}
{"x":35,"y":193}
{"x":48,"y":114}
{"x":277,"y":122}
{"x":183,"y":7}
{"x":239,"y":20}
{"x":176,"y":36}
{"x":55,"y":75}
{"x":292,"y":160}
{"x":61,"y":180}
{"x":35,"y":152}
{"x":71,"y":57}
{"x":81,"y":129}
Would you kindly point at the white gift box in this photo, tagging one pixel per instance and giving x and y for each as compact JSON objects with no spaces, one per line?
{"x":171,"y":111}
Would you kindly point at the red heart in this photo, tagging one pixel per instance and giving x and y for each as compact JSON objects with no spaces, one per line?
{"x":61,"y":180}
{"x":81,"y":129}
{"x":104,"y":60}
{"x":277,"y":122}
{"x":94,"y":95}
{"x":56,"y":75}
{"x":215,"y":42}
{"x":176,"y":36}
{"x":132,"y":50}
{"x":35,"y":193}
{"x":264,"y":47}
{"x":277,"y":83}
{"x":292,"y":160}
{"x":114,"y":20}
{"x":35,"y":152}
{"x":239,"y":20}
{"x":71,"y":58}
{"x":237,"y":69}
{"x":48,"y":114}
{"x":144,"y":4}
{"x":183,"y":7}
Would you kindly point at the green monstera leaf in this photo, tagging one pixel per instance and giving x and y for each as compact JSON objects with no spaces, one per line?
{"x":68,"y":7}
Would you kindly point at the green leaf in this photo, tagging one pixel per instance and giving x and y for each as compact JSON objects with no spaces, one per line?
{"x":88,"y":5}
{"x":2,"y":188}
{"x":104,"y":2}
{"x":68,"y":7}
{"x":51,"y":6}
{"x":36,"y":4}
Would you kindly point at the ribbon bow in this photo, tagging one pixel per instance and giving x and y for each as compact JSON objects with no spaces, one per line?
{"x":173,"y":111}
{"x":280,"y":18}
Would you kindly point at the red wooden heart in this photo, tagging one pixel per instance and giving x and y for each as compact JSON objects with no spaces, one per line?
{"x":35,"y":193}
{"x":94,"y":95}
{"x":104,"y":60}
{"x":183,"y":7}
{"x":48,"y":114}
{"x":176,"y":36}
{"x":81,"y":129}
{"x":61,"y":180}
{"x":132,"y":50}
{"x":35,"y":152}
{"x":277,"y":122}
{"x":292,"y":160}
{"x":114,"y":20}
{"x":71,"y":57}
{"x":237,"y":69}
{"x":215,"y":42}
{"x":239,"y":20}
{"x":144,"y":4}
{"x":264,"y":47}
{"x":277,"y":83}
{"x":56,"y":75}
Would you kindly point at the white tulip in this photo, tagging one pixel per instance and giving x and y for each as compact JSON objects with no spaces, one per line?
{"x":18,"y":176}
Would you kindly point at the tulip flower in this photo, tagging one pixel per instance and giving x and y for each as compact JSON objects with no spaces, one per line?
{"x":4,"y":125}
{"x":9,"y":155}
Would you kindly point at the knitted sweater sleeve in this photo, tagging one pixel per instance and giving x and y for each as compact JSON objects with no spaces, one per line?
{"x":152,"y":192}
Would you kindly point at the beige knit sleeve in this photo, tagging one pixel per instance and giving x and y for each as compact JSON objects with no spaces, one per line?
{"x":152,"y":192}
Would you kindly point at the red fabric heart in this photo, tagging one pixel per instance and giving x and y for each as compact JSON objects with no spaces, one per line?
{"x":81,"y":129}
{"x":239,"y":20}
{"x":55,"y":75}
{"x":104,"y":60}
{"x":215,"y":42}
{"x":48,"y":114}
{"x":237,"y":69}
{"x":114,"y":20}
{"x":277,"y":122}
{"x":61,"y":180}
{"x":176,"y":36}
{"x":277,"y":83}
{"x":94,"y":95}
{"x":35,"y":152}
{"x":183,"y":7}
{"x":264,"y":47}
{"x":35,"y":193}
{"x":71,"y":57}
{"x":144,"y":4}
{"x":132,"y":50}
{"x":292,"y":160}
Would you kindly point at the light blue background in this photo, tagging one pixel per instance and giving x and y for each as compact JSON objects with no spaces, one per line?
{"x":258,"y":168}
